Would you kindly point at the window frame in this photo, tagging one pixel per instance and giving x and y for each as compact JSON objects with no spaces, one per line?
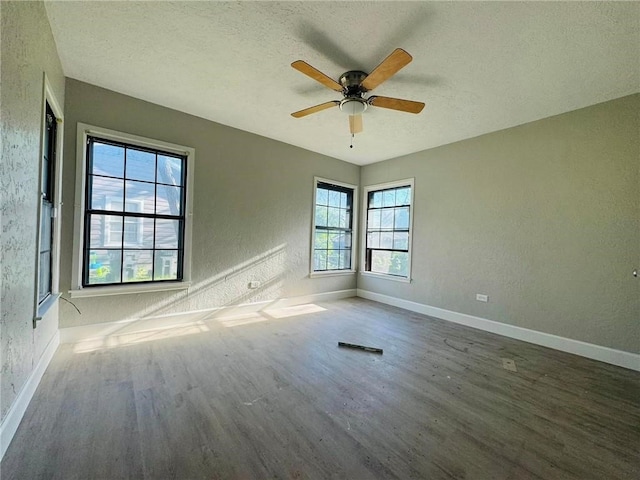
{"x":354,"y":229}
{"x":409,"y":182}
{"x":41,"y":307}
{"x":84,"y":131}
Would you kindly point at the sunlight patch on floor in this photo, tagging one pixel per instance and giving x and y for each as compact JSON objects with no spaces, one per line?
{"x":134,"y":338}
{"x":294,"y":311}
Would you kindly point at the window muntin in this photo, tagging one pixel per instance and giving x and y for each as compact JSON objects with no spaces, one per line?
{"x":333,"y":231}
{"x":135,"y":214}
{"x":388,"y":225}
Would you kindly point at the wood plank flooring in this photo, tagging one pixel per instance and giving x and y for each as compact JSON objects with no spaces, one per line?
{"x":277,"y":398}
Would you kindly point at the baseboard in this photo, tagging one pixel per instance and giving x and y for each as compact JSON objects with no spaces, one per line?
{"x":99,"y":331}
{"x":16,"y":412}
{"x":589,"y":350}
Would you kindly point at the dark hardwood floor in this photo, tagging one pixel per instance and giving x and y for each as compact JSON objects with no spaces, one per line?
{"x":275,"y":397}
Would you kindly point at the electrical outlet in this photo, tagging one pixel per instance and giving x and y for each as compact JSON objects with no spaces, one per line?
{"x":254,"y":284}
{"x":482,"y":298}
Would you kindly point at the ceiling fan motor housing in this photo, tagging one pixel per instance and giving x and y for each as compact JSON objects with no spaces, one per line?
{"x":353,"y":103}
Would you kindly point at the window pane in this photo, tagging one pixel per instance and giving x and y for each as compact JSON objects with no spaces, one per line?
{"x":402,"y":217}
{"x":105,"y":231}
{"x":169,"y":200}
{"x":322,"y":196}
{"x":333,"y":217}
{"x":386,"y":240}
{"x":373,"y":219}
{"x":401,"y":240}
{"x":345,"y":240}
{"x":45,"y":227}
{"x":321,"y":216}
{"x":334,"y":240}
{"x":104,"y":266}
{"x":390,"y":263}
{"x":107,"y":160}
{"x":137,"y":266}
{"x":333,"y":259}
{"x":141,"y":165}
{"x":321,"y":239}
{"x":140,"y":197}
{"x":169,"y":170}
{"x":138,"y":232}
{"x":345,"y":259}
{"x":373,"y":240}
{"x":334,"y":198}
{"x":165,"y":265}
{"x":46,"y":181}
{"x":44,"y":282}
{"x":107,"y":193}
{"x":167,"y":233}
{"x":403,"y":196}
{"x":388,"y":198}
{"x":343,"y":200}
{"x":375,"y":199}
{"x":399,"y":264}
{"x":319,"y":260}
{"x":344,"y":219}
{"x":386,"y":220}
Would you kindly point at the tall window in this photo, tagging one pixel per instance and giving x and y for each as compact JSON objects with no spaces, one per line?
{"x":388,"y":224}
{"x":134,"y":217}
{"x":333,"y":227}
{"x":47,"y":209}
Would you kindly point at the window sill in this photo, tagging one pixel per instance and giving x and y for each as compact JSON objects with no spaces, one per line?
{"x":127,"y":289}
{"x":331,"y":273}
{"x":386,"y":277}
{"x":45,"y":306}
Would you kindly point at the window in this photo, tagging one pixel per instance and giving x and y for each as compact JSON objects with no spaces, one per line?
{"x":47,"y":250}
{"x":133,"y":225}
{"x":333,"y":230}
{"x":47,"y":188}
{"x":388,"y":229}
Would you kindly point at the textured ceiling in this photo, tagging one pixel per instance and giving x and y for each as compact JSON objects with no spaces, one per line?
{"x":478,"y":66}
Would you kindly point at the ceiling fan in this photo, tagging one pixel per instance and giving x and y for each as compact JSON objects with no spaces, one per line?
{"x":354,"y":86}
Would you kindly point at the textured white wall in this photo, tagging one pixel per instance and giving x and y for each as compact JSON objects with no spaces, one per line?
{"x":28,"y":51}
{"x":544,"y":218}
{"x":252,"y":209}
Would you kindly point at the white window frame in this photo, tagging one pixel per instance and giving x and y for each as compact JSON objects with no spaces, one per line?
{"x":40,"y":309}
{"x":363,"y":244}
{"x":354,"y":229}
{"x":83,"y":131}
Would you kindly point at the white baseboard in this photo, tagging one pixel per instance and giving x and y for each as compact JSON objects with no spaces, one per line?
{"x":16,"y":412}
{"x":100,"y":331}
{"x":589,"y":350}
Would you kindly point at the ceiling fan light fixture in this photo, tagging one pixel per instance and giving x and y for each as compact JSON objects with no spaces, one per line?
{"x":353,"y":105}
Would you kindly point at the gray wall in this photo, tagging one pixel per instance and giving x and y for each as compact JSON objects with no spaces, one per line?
{"x":252,"y":209}
{"x":28,"y":51}
{"x":544,"y":218}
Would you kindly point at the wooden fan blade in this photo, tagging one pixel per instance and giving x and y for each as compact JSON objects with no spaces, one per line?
{"x":317,"y":108}
{"x":317,"y":75}
{"x":389,"y":67}
{"x":396,"y":104}
{"x":355,"y":123}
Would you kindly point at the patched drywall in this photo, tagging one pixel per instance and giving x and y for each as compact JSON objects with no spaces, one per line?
{"x":28,"y":52}
{"x":543,"y":218}
{"x":252,"y":210}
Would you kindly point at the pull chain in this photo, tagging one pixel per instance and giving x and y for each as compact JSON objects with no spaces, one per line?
{"x":351,"y":146}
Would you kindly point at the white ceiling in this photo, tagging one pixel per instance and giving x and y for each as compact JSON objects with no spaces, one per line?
{"x":478,"y":66}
